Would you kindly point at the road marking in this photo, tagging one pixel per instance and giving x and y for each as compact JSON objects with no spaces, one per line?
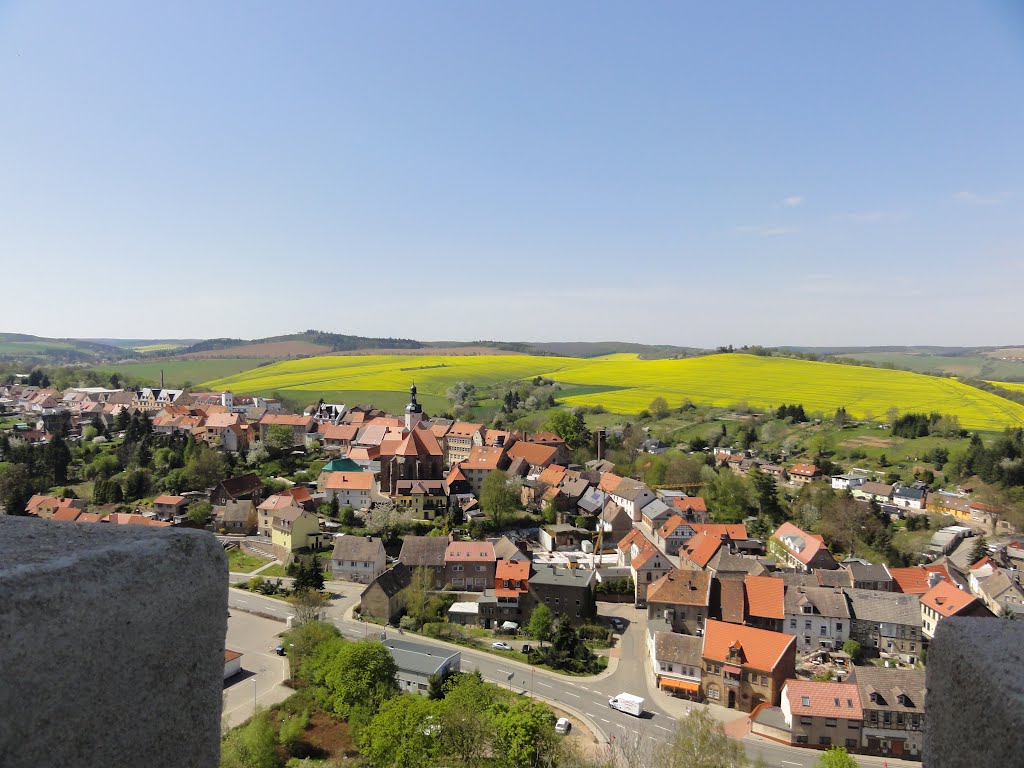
{"x":786,"y":762}
{"x":572,"y":694}
{"x":667,"y":730}
{"x":605,"y":721}
{"x":545,"y":685}
{"x":590,"y":715}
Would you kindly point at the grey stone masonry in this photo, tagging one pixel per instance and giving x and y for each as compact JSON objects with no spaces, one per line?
{"x":113,"y":645}
{"x":975,"y":683}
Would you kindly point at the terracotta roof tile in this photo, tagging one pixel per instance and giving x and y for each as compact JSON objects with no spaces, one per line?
{"x":765,"y":597}
{"x":914,"y":580}
{"x":762,"y":649}
{"x":808,"y":698}
{"x":946,"y":600}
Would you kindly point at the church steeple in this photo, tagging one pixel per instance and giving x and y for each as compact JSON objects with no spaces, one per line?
{"x":413,"y":411}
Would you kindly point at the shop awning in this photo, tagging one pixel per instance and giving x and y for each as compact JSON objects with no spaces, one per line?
{"x":732,"y":670}
{"x":679,"y":685}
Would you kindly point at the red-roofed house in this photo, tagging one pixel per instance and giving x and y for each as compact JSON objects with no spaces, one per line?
{"x":338,"y":436}
{"x":511,"y":589}
{"x":700,"y":549}
{"x":823,"y":714}
{"x":537,"y":456}
{"x":804,"y":473}
{"x":48,"y":506}
{"x":481,"y":462}
{"x":646,"y":563}
{"x":918,"y":579}
{"x":766,"y":603}
{"x":460,"y":439}
{"x":353,"y":489}
{"x":169,"y":508}
{"x":692,"y":507}
{"x":745,"y":666}
{"x":802,"y":551}
{"x":299,"y":425}
{"x":945,"y":600}
{"x":470,"y":565}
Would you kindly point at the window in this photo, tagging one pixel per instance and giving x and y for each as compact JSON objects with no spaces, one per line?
{"x":801,"y":739}
{"x":839,"y":626}
{"x":825,"y":741}
{"x":830,"y":722}
{"x":792,"y":623}
{"x":764,"y":679}
{"x":823,"y":628}
{"x":713,"y":692}
{"x":648,"y":575}
{"x":806,"y":721}
{"x":851,"y":742}
{"x":805,"y":700}
{"x":807,"y":625}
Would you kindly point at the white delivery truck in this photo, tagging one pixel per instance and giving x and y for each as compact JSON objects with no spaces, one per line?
{"x":628,"y":703}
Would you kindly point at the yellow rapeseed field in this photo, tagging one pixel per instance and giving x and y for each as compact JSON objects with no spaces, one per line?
{"x":1013,"y":385}
{"x":631,"y":384}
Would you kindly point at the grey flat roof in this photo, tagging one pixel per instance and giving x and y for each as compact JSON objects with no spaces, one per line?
{"x":418,"y":658}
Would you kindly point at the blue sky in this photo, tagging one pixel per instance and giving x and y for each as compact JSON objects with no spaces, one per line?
{"x":700,"y":174}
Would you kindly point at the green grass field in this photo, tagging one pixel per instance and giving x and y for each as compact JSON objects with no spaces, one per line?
{"x":625,"y":384}
{"x":177,"y":372}
{"x":156,"y":348}
{"x":969,"y":366}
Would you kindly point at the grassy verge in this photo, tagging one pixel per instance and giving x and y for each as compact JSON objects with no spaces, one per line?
{"x":241,"y":562}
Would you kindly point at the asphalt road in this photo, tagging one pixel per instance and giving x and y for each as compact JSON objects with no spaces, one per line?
{"x":583,"y":696}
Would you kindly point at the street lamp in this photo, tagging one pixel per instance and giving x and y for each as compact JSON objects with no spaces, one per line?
{"x":253,"y":695}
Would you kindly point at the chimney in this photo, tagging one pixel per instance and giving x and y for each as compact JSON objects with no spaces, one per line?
{"x":934,"y":577}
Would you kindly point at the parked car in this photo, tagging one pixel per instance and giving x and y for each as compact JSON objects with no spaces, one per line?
{"x":279,"y":651}
{"x":562,"y":725}
{"x":617,"y":624}
{"x":500,"y":646}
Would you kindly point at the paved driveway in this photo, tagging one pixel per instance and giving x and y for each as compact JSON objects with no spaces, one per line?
{"x":259,"y":683}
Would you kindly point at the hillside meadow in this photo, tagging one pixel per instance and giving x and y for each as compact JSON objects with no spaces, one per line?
{"x":625,"y":384}
{"x":178,"y":373}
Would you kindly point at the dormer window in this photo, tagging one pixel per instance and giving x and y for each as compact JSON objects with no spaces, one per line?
{"x":805,"y":701}
{"x":807,"y":609}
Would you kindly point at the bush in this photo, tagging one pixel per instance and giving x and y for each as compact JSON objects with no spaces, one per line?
{"x":595,"y":632}
{"x":410,"y":623}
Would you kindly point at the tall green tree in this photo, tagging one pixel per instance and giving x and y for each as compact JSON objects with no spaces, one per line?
{"x":466,"y":729}
{"x":280,"y":437}
{"x":361,"y":673}
{"x":699,"y":741}
{"x":524,"y":733}
{"x":498,"y":498}
{"x":542,"y":621}
{"x":405,"y":733}
{"x":57,"y":457}
{"x":16,"y":488}
{"x":570,"y":425}
{"x":766,"y":493}
{"x":979,"y":550}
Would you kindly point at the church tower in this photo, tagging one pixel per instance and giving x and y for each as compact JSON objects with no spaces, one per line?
{"x":413,"y":411}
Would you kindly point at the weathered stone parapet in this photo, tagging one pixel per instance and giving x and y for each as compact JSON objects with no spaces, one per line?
{"x":975,"y":698}
{"x":112,"y":642}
